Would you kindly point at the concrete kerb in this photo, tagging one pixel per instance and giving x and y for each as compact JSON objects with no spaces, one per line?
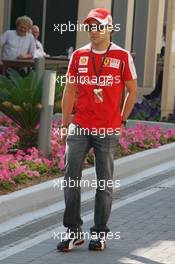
{"x":164,"y":125}
{"x":132,"y":122}
{"x":141,"y":161}
{"x":44,"y":194}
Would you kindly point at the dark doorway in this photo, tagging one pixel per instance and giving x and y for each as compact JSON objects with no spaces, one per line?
{"x":60,"y":12}
{"x":57,"y":12}
{"x":31,"y":8}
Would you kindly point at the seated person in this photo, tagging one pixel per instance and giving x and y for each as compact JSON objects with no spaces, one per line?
{"x":39,"y":51}
{"x":158,"y":89}
{"x":19,"y":43}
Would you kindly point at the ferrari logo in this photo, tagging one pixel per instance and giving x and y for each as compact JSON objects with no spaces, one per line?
{"x":107,"y":62}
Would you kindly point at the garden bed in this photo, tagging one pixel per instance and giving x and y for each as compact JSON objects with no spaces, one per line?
{"x":23,"y":168}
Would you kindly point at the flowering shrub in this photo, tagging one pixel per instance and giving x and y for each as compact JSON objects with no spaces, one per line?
{"x":7,"y":140}
{"x":143,"y":137}
{"x":149,"y":109}
{"x":17,"y":165}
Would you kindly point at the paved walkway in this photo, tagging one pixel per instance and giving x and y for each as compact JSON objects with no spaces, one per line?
{"x":145,"y":219}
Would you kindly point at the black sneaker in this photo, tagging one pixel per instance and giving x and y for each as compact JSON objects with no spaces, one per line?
{"x":69,"y":243}
{"x":98,"y":244}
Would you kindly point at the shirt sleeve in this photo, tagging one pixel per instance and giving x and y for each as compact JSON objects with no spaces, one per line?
{"x":32,"y":46}
{"x":3,"y":38}
{"x":129,"y":71}
{"x":72,"y":68}
{"x":39,"y":51}
{"x":40,"y":46}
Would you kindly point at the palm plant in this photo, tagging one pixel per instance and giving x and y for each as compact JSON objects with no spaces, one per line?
{"x":20,"y":100}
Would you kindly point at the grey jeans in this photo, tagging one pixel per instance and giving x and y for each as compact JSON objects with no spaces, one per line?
{"x":76,"y":149}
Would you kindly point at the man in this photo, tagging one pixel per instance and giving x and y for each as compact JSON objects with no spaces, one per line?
{"x":157,"y":92}
{"x":39,"y":51}
{"x":97,"y":110}
{"x":19,"y":43}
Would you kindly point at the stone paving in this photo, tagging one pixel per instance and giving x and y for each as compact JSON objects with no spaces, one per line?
{"x":147,"y":236}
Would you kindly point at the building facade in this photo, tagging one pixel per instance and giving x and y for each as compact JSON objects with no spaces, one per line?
{"x":141,"y":28}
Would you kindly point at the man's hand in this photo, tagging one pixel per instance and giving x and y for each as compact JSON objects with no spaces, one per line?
{"x":122,"y":130}
{"x":24,"y":56}
{"x":64,"y":133}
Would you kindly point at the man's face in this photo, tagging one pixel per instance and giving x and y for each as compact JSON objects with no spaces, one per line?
{"x":97,"y":32}
{"x":22,"y":29}
{"x":35,"y":32}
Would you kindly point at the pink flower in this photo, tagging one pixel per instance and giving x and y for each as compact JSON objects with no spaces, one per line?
{"x":19,"y":171}
{"x":19,"y":157}
{"x":4,"y":172}
{"x":124,"y":144}
{"x":61,"y":164}
{"x":27,"y":157}
{"x":169,"y":133}
{"x":20,"y":152}
{"x":5,"y":175}
{"x":33,"y":174}
{"x":52,"y":163}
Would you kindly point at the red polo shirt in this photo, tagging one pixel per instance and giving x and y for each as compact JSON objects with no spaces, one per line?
{"x":98,"y":106}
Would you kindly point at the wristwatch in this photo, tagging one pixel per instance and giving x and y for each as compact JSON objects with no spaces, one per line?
{"x":124,"y":122}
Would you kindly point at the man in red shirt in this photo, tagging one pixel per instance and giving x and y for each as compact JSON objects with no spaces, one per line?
{"x":97,"y":75}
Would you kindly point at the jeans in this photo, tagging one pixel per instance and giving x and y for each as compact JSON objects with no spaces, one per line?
{"x":76,"y":149}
